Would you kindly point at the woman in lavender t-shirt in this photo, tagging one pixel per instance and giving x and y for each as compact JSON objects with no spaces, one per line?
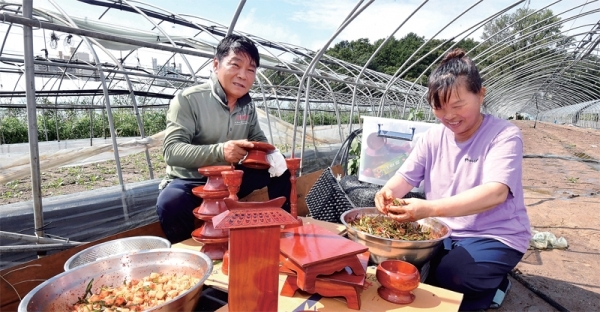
{"x":471,"y":169}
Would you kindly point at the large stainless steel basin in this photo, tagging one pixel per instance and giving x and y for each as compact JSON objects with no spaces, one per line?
{"x":415,"y":252}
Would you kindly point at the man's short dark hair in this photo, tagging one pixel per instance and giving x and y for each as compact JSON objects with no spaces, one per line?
{"x":237,"y":44}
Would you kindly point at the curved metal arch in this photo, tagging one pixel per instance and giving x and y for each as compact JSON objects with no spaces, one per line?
{"x":106,"y":99}
{"x":273,"y":91}
{"x":524,"y":108}
{"x":528,"y":68}
{"x":482,"y":53}
{"x":354,"y":12}
{"x":530,"y":89}
{"x":542,"y":73}
{"x":489,"y":73}
{"x":163,"y":32}
{"x":357,"y":78}
{"x":472,"y":29}
{"x":501,"y":45}
{"x":131,"y":93}
{"x":397,"y":74}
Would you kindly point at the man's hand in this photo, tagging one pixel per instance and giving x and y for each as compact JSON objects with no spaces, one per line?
{"x":383,"y":198}
{"x":235,"y":150}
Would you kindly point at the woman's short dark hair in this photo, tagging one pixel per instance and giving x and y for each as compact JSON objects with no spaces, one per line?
{"x":443,"y":80}
{"x":237,"y":44}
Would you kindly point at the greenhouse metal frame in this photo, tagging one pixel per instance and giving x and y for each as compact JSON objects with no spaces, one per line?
{"x":558,"y":85}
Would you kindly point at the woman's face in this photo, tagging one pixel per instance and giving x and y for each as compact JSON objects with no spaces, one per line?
{"x":461,"y":113}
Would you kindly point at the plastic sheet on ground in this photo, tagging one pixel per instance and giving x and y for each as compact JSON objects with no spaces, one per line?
{"x":547,"y":240}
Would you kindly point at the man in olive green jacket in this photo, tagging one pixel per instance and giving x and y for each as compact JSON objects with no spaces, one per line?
{"x":213,"y":124}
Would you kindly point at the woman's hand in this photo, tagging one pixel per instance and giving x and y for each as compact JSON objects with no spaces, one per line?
{"x":383,"y":198}
{"x":411,"y":209}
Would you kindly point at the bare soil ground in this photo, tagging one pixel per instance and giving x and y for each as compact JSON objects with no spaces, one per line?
{"x":75,"y":179}
{"x":562,"y":196}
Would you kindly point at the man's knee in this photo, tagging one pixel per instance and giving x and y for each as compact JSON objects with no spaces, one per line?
{"x":173,"y":201}
{"x":166,"y":199}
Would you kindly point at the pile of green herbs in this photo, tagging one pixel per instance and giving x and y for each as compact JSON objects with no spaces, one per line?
{"x":384,"y":226}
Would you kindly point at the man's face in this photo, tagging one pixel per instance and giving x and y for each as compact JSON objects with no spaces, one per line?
{"x":236,"y":73}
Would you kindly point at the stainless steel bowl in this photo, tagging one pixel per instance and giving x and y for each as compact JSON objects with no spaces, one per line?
{"x":415,"y":252}
{"x":62,"y":291}
{"x":115,"y":247}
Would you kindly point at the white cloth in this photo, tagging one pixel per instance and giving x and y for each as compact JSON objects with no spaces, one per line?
{"x":277,"y":162}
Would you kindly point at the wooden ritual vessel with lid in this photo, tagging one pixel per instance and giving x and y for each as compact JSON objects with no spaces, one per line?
{"x":257,"y":155}
{"x":254,"y":231}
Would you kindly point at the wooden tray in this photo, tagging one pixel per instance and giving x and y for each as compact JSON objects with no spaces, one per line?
{"x":313,"y":251}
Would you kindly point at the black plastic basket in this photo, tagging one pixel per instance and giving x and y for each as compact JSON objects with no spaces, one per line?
{"x":327,"y":200}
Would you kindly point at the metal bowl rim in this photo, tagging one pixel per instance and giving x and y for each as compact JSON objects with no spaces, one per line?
{"x":25,"y":301}
{"x":375,"y":237}
{"x":67,"y":265}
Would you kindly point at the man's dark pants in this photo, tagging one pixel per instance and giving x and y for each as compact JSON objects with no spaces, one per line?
{"x":176,"y":202}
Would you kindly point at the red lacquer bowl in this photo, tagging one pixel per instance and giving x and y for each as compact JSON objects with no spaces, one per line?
{"x":257,"y":156}
{"x":398,"y":279}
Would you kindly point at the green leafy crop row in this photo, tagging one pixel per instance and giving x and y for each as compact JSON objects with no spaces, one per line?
{"x":74,"y":124}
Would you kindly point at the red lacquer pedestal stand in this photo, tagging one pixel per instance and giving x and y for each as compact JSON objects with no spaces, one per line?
{"x":293,"y":164}
{"x":232,"y":180}
{"x":213,"y":192}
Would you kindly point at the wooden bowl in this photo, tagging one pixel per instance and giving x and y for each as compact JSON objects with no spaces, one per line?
{"x":257,"y":156}
{"x":398,"y":279}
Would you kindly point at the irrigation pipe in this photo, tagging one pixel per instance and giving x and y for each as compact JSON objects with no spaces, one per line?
{"x":536,"y":291}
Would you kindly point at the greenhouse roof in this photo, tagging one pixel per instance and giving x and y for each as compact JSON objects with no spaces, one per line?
{"x":531,"y":61}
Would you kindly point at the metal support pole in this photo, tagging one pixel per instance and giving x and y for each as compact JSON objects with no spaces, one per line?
{"x":235,"y":17}
{"x":111,"y":122}
{"x":32,"y":129}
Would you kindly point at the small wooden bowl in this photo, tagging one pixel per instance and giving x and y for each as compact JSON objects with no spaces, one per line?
{"x":398,"y":279}
{"x":257,"y":156}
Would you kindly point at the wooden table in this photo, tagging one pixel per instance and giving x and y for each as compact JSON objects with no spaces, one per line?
{"x":428,"y":298}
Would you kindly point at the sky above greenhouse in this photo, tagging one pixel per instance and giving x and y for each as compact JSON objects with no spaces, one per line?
{"x":310,"y":23}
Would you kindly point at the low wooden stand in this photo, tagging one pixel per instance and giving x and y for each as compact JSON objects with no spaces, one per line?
{"x":340,"y":284}
{"x":310,"y":251}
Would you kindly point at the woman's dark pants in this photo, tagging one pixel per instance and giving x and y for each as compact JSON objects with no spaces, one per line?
{"x":475,"y":267}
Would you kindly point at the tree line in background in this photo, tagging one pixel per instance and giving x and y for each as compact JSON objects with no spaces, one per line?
{"x":512,"y":47}
{"x":512,"y":43}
